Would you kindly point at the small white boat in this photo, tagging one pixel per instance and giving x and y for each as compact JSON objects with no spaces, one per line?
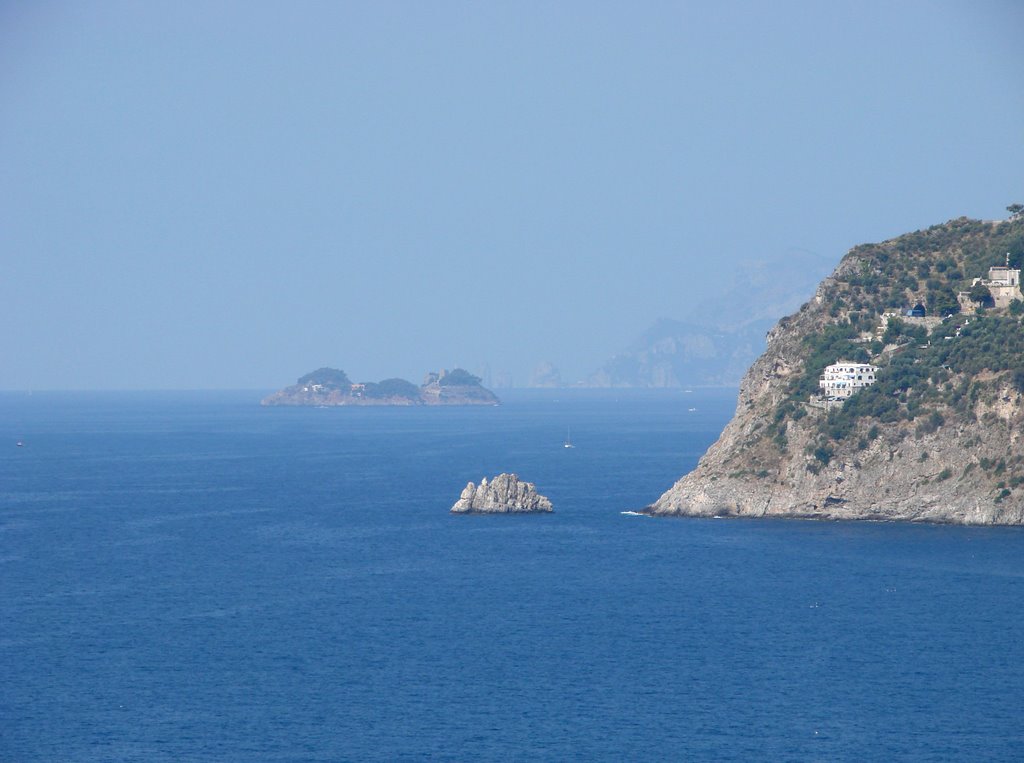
{"x":568,"y":439}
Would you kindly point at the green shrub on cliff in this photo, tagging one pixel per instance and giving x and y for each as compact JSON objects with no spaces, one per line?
{"x":392,"y":388}
{"x":926,"y":378}
{"x":459,"y":377}
{"x":980,"y":295}
{"x":921,"y":382}
{"x":331,"y":378}
{"x":834,"y":342}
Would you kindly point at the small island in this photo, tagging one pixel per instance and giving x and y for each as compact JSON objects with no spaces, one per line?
{"x":332,"y":387}
{"x":505,"y":494}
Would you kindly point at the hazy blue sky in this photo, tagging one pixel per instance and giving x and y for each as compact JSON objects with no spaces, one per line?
{"x":231,"y":194}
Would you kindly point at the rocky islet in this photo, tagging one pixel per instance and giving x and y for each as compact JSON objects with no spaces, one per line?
{"x":505,"y":494}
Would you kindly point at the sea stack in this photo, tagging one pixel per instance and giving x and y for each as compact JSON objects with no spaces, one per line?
{"x":505,"y":494}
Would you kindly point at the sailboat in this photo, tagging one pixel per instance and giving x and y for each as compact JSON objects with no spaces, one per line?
{"x":568,"y":439}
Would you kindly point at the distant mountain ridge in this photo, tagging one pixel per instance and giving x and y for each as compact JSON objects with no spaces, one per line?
{"x":676,"y":353}
{"x":722,"y":333}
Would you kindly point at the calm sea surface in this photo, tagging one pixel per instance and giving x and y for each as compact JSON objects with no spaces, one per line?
{"x":193,"y":577}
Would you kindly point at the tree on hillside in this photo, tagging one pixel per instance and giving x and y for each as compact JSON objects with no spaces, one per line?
{"x":1014,"y":246}
{"x":980,"y":294}
{"x":331,"y":378}
{"x":392,"y":388}
{"x":943,"y":302}
{"x":459,"y":377}
{"x":1015,"y":210}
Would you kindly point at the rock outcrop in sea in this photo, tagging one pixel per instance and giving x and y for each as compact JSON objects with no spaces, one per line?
{"x":505,"y":494}
{"x":939,"y":437}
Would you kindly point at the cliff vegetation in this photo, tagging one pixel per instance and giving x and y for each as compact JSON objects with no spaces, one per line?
{"x":937,"y":437}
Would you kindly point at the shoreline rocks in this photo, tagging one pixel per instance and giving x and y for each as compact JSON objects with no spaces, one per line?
{"x":505,"y":494}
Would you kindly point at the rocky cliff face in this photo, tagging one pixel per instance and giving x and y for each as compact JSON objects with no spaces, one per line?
{"x":457,"y":394}
{"x":503,"y":495}
{"x":299,"y":395}
{"x":939,"y":437}
{"x":546,"y":374}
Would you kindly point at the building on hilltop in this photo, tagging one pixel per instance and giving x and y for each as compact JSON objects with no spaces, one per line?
{"x":1004,"y":275}
{"x":844,"y":377}
{"x":1003,"y":283}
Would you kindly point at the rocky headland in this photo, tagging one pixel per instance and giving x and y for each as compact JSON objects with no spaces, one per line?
{"x":330,"y":387}
{"x":939,"y":437}
{"x":505,"y":494}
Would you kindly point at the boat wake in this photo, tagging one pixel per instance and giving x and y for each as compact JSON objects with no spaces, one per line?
{"x":634,"y":514}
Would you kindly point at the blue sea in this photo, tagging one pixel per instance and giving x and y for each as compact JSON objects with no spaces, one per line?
{"x":191,"y":577}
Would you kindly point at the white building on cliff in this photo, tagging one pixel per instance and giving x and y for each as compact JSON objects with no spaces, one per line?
{"x":844,"y":377}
